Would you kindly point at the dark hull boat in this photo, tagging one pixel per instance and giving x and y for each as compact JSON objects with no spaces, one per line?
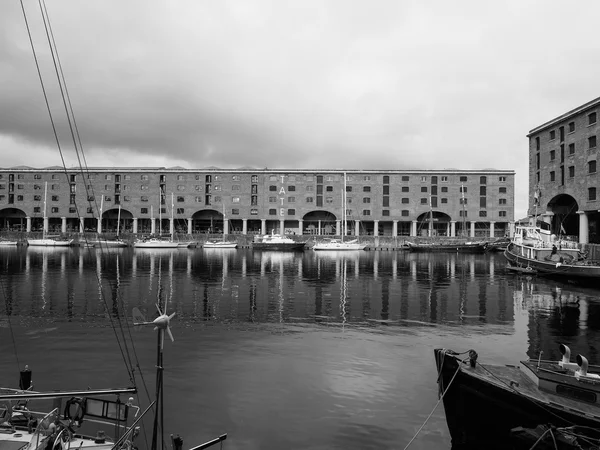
{"x":565,"y":265}
{"x":458,"y":247}
{"x":503,"y":407}
{"x":534,"y":247}
{"x":499,"y":245}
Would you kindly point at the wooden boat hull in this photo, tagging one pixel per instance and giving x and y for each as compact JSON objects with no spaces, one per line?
{"x":476,"y":247}
{"x":483,"y":405}
{"x":108,"y":243}
{"x":556,"y":269}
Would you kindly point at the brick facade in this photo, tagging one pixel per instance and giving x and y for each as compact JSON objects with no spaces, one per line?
{"x":384,"y":202}
{"x":563,"y":157}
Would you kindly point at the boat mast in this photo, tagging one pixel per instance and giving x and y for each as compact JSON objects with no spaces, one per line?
{"x":118,"y":220}
{"x":158,"y":415}
{"x":101,"y":207}
{"x":45,"y":223}
{"x":160,"y":213}
{"x":536,"y":200}
{"x":345,"y":222}
{"x":464,"y":220}
{"x":430,"y":217}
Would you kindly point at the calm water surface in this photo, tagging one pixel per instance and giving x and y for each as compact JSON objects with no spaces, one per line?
{"x":281,"y":350}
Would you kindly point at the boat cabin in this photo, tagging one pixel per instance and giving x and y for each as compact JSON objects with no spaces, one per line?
{"x":578,"y":381}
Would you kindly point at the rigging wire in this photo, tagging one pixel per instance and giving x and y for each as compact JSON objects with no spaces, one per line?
{"x":122,"y":346}
{"x":124,"y":349}
{"x":67,"y":100}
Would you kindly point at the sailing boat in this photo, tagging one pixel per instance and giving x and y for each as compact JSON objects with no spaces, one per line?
{"x":222,"y":243}
{"x":158,"y":242}
{"x":46,"y":240}
{"x":341,"y":244}
{"x":103,"y":242}
{"x":26,"y":429}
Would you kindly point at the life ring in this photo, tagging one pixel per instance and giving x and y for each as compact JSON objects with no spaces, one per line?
{"x":75,"y":409}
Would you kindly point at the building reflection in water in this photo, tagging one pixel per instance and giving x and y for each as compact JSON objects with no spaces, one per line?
{"x":347,"y":287}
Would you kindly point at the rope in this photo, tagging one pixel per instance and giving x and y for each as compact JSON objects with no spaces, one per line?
{"x":439,"y":400}
{"x":549,"y":430}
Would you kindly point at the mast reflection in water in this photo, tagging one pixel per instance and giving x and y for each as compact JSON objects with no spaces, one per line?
{"x":289,"y":350}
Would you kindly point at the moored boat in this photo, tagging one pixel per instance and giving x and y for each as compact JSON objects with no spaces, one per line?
{"x":107,"y":243}
{"x":332,"y":244}
{"x":50,"y":241}
{"x":339,"y":245}
{"x":155,"y":243}
{"x":498,"y":245}
{"x":219,"y":244}
{"x":276,"y":242}
{"x":534,"y":246}
{"x":446,"y":247}
{"x":487,"y":406}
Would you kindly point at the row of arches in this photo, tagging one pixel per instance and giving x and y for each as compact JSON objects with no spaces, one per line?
{"x":214,"y":222}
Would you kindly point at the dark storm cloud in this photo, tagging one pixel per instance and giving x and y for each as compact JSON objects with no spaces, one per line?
{"x":278,"y":83}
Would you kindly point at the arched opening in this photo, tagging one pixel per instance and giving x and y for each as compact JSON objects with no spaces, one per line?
{"x":436,"y":223}
{"x":323,"y":223}
{"x":117,"y":220}
{"x":564,"y":220}
{"x":13,"y":219}
{"x":207,"y":221}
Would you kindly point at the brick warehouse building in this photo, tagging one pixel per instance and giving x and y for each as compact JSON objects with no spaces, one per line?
{"x":563,"y":156}
{"x":250,"y":201}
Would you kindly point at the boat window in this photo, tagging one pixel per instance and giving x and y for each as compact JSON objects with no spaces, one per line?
{"x":573,"y":392}
{"x":544,"y":226}
{"x":106,"y":409}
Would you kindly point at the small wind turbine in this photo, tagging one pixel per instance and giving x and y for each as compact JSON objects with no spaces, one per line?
{"x":161,"y":323}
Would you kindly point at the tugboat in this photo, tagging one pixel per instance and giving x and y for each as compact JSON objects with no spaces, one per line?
{"x":534,"y":246}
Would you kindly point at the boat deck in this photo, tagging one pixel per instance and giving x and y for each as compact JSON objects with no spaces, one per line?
{"x":513,"y":379}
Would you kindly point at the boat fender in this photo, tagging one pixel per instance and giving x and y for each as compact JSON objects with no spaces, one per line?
{"x":75,"y":409}
{"x":472,"y":357}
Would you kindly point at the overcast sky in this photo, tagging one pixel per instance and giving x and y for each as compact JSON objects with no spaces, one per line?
{"x":379,"y":84}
